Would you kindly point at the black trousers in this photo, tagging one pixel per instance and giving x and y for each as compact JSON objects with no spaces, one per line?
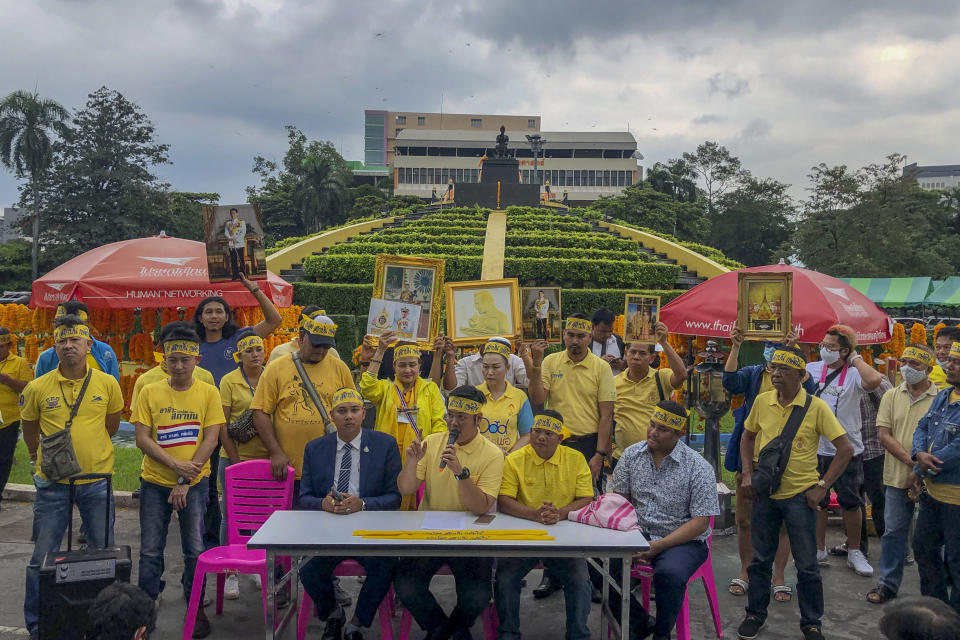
{"x":473,"y":578}
{"x":873,"y":487}
{"x":317,"y":578}
{"x":8,"y":445}
{"x":237,"y":263}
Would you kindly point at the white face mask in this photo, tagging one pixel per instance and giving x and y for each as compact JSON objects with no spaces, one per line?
{"x":829,"y":357}
{"x":911,"y":375}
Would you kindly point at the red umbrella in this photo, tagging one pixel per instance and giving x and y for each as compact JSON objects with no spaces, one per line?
{"x":147,"y":272}
{"x":819,"y":301}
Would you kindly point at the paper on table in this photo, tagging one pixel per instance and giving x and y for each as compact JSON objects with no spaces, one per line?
{"x":442,"y":520}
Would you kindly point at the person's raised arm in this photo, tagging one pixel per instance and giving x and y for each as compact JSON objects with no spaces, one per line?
{"x":533,"y":364}
{"x":450,"y":380}
{"x":869,"y":377}
{"x":677,"y":366}
{"x":271,"y":317}
{"x":435,"y":364}
{"x":733,"y":358}
{"x":407,"y":480}
{"x":374,"y":355}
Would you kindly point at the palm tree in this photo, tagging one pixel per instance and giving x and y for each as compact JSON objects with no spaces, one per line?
{"x":26,"y":148}
{"x":320,"y":192}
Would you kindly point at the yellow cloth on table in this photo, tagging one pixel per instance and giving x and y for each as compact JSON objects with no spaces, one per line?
{"x":458,"y":534}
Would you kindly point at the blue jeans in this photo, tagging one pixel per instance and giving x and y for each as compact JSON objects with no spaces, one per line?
{"x":934,"y":522}
{"x":155,"y":513}
{"x":570,"y":572}
{"x":897,"y":513}
{"x":51,"y":514}
{"x":765,"y":521}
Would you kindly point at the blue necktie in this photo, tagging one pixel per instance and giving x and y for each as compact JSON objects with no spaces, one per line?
{"x":346,"y":461}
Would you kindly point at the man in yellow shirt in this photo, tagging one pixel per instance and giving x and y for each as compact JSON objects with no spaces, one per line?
{"x":941,"y":347}
{"x":796,"y":501}
{"x":160,"y":372}
{"x":45,"y":407}
{"x":15,"y":373}
{"x":544,"y":482}
{"x":640,"y":388}
{"x":177,"y":423}
{"x":462,"y":475}
{"x":284,"y":413}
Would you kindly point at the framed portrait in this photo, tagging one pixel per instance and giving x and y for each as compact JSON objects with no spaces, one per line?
{"x":417,"y":282}
{"x":233,"y":234}
{"x":764,"y":304}
{"x":482,"y":309}
{"x":541,"y":315}
{"x":640,"y":317}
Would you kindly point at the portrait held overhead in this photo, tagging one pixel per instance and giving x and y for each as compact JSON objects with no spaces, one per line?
{"x":234,"y":239}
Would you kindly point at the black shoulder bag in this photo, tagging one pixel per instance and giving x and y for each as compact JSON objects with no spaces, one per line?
{"x":773,"y":458}
{"x":308,"y":385}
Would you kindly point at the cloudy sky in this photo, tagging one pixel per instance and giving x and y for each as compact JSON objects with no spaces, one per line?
{"x":784,"y":85}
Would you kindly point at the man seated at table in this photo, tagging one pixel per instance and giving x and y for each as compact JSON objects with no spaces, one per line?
{"x":470,"y":482}
{"x":544,"y":482}
{"x":675,"y":492}
{"x":361,"y":465}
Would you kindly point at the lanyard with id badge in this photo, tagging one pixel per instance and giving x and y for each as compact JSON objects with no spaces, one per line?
{"x":407,"y":415}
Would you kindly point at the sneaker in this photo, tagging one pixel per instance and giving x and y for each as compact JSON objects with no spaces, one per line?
{"x":858,"y":562}
{"x":749,"y":628}
{"x":823,"y":557}
{"x":231,"y":587}
{"x":811,"y":633}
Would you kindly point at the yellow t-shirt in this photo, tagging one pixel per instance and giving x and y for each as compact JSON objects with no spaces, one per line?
{"x":500,"y":424}
{"x":425,"y":398}
{"x":949,"y":493}
{"x":531,"y":480}
{"x":766,"y":382}
{"x":900,"y":413}
{"x":575,"y":389}
{"x":767,"y":419}
{"x":159,"y":373}
{"x":281,"y":395}
{"x":235,"y":393}
{"x":177,"y":420}
{"x":635,"y":404}
{"x":939,"y":377}
{"x":48,"y":400}
{"x":482,"y":457}
{"x":19,"y":369}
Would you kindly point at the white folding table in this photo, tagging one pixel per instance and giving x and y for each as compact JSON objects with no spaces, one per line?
{"x":316,"y":533}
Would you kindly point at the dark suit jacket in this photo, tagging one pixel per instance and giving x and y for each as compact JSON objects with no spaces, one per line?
{"x":379,"y":468}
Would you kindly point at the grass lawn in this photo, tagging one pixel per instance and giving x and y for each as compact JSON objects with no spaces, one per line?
{"x":126,"y":467}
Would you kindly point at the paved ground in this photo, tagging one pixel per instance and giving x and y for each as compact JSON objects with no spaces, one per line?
{"x":847,"y":617}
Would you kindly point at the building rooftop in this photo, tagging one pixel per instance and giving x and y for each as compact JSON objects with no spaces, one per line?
{"x":929,"y":171}
{"x":473,"y":138}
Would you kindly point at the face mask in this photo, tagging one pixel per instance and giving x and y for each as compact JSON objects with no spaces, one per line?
{"x":768,"y":353}
{"x":829,"y":357}
{"x":911,"y":375}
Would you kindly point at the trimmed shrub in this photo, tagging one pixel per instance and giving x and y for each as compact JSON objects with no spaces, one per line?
{"x":349,"y":333}
{"x":581,"y":254}
{"x":405,"y":248}
{"x":343,"y":298}
{"x":571,"y":240}
{"x":589,"y":300}
{"x":436,"y":231}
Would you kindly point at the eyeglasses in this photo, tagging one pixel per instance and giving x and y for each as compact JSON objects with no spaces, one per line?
{"x":830,"y":347}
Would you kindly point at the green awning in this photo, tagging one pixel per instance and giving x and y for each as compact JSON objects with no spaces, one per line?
{"x":892,"y":292}
{"x":947,"y":294}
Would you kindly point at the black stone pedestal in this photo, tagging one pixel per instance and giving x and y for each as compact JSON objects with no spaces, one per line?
{"x":502,"y":170}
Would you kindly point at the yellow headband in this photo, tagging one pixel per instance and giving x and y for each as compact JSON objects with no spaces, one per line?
{"x":463,"y":405}
{"x":185,"y":347}
{"x":579,"y":324}
{"x":406,"y":351}
{"x":791,"y":360}
{"x":551,"y":424}
{"x":247,"y":343}
{"x":61,"y":311}
{"x":954,"y":350}
{"x":497,"y":347}
{"x":919,"y":355}
{"x":5,"y":339}
{"x":76,"y":331}
{"x":668,"y":419}
{"x":315,"y":328}
{"x":344,"y":396}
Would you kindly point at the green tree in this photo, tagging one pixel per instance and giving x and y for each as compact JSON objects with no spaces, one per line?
{"x":754,"y":221}
{"x":717,"y":168}
{"x":15,"y":265}
{"x":321,"y":191}
{"x":643,"y":206}
{"x":101,"y":188}
{"x":675,"y":178}
{"x":186,"y":220}
{"x":366,"y":206}
{"x":29,"y":125}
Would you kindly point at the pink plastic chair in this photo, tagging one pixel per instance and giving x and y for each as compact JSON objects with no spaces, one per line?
{"x":347,"y":568}
{"x":251,"y":496}
{"x":705,"y":572}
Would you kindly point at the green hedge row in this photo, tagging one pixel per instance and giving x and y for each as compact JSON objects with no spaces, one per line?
{"x":430,"y":223}
{"x":433,"y":231}
{"x":571,"y":240}
{"x":423,"y":248}
{"x":354,"y":300}
{"x":600,"y":273}
{"x":558,"y":224}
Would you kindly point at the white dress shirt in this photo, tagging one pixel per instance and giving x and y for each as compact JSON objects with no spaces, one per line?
{"x":354,"y":488}
{"x":469,"y":370}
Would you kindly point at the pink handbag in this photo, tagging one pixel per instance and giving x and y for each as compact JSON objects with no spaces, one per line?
{"x":609,"y":511}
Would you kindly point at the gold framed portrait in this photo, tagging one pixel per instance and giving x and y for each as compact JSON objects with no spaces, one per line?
{"x":482,"y":309}
{"x":641,"y":315}
{"x":415,"y":281}
{"x":764,"y":304}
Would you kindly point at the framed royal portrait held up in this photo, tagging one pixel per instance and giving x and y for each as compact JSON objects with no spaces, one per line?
{"x":482,"y":309}
{"x":417,"y":282}
{"x":764,"y":305}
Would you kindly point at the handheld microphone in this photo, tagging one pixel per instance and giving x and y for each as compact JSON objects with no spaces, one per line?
{"x":451,"y":438}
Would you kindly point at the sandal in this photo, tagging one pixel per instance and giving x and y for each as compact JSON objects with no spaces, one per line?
{"x":880,"y":595}
{"x":738,"y":587}
{"x":783,"y":593}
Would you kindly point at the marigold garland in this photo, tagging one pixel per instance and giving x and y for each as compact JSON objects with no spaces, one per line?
{"x":936,"y":329}
{"x":918,"y":333}
{"x":898,"y":341}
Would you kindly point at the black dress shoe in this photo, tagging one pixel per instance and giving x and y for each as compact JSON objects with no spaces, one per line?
{"x":546,"y":588}
{"x":201,"y":627}
{"x":353,"y":635}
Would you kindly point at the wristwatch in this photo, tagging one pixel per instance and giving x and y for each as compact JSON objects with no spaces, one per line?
{"x":463,"y":474}
{"x":182,"y":481}
{"x":821,"y":484}
{"x":602,"y":454}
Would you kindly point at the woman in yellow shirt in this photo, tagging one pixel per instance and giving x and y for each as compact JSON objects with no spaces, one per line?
{"x":408,"y":407}
{"x":507,"y":416}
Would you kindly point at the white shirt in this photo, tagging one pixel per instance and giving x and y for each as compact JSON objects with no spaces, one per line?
{"x":542,"y":308}
{"x":354,"y":488}
{"x":469,"y":370}
{"x":612,"y":347}
{"x":845,"y":404}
